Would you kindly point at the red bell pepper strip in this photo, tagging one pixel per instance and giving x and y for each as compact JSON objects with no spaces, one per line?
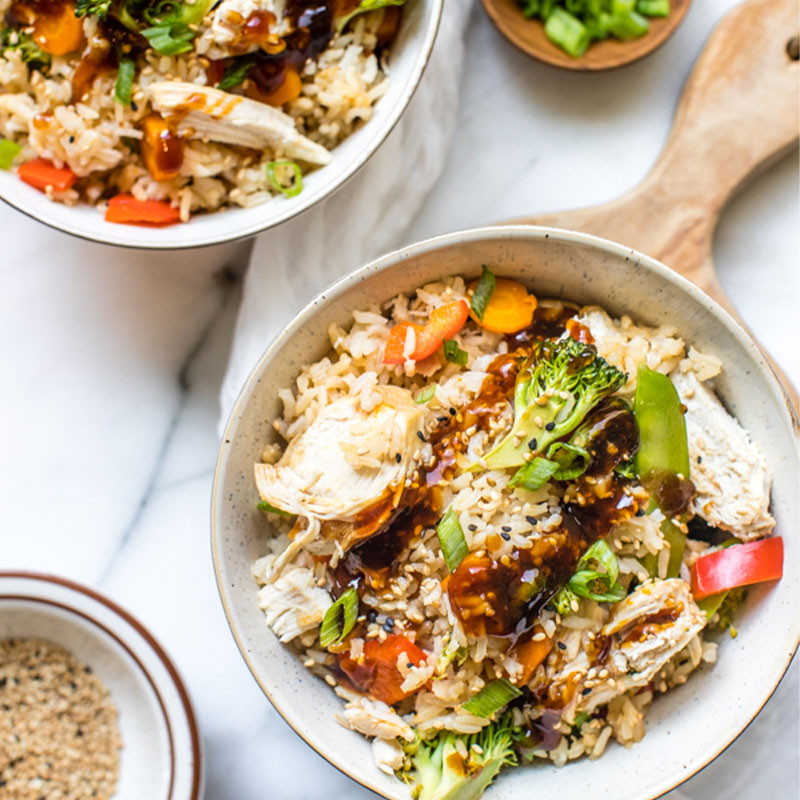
{"x":127,"y":210}
{"x":738,"y":565}
{"x":378,"y":675}
{"x":41,"y":173}
{"x":445,"y":322}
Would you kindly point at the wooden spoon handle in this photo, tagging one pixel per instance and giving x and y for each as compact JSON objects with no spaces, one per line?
{"x":739,"y":110}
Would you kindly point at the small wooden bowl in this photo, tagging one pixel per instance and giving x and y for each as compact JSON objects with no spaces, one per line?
{"x":528,"y":35}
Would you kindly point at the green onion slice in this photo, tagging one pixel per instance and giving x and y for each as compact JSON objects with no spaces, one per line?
{"x":426,"y":394}
{"x":297,"y":178}
{"x":586,"y":580}
{"x":346,"y":608}
{"x":451,"y":538}
{"x":265,"y":506}
{"x":8,"y":152}
{"x":572,"y":460}
{"x":235,"y":72}
{"x":534,"y":474}
{"x":170,"y":39}
{"x":483,"y":292}
{"x":454,"y":354}
{"x":124,"y":85}
{"x":492,"y":698}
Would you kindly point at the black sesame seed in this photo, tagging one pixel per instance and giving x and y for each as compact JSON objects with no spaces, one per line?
{"x":421,"y":436}
{"x":561,"y":646}
{"x":409,"y":664}
{"x":442,"y":419}
{"x":532,"y":520}
{"x":71,"y":139}
{"x":372,"y":616}
{"x":639,"y":512}
{"x":506,"y":536}
{"x":452,"y":411}
{"x":134,"y":107}
{"x":472,"y":527}
{"x":549,"y":426}
{"x":532,"y":443}
{"x":699,"y":459}
{"x":506,"y":528}
{"x":586,"y":691}
{"x":398,"y":458}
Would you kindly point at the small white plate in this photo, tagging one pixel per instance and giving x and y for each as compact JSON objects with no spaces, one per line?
{"x":161,"y":757}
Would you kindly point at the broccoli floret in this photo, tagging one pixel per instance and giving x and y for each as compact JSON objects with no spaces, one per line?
{"x":92,"y":8}
{"x":439,"y":770}
{"x":32,"y":54}
{"x":562,"y":382}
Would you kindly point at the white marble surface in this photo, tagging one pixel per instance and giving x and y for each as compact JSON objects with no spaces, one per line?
{"x":112,"y":362}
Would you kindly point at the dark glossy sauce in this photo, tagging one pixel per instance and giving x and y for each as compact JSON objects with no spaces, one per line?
{"x":549,"y":322}
{"x":650,"y":625}
{"x":612,"y":436}
{"x":673,"y":493}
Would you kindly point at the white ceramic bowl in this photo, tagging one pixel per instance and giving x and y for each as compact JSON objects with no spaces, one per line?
{"x":409,"y":57}
{"x":161,"y":757}
{"x":686,"y":728}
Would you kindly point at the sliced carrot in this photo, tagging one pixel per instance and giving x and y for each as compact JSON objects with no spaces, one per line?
{"x":41,"y":173}
{"x":57,"y":30}
{"x":162,"y":148}
{"x":444,"y":323}
{"x":127,"y":210}
{"x":510,"y":308}
{"x":288,"y":90}
{"x":531,"y":653}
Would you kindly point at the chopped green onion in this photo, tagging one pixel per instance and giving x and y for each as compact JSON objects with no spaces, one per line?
{"x":426,"y":394}
{"x":627,"y":470}
{"x":483,"y":292}
{"x":362,"y":8}
{"x":534,"y":474}
{"x":653,"y":8}
{"x":580,"y":718}
{"x":235,"y":72}
{"x":567,"y":32}
{"x":265,"y":506}
{"x":345,"y":607}
{"x":8,"y":152}
{"x":628,"y":25}
{"x":601,"y":553}
{"x":451,"y":538}
{"x":124,"y":85}
{"x":297,"y":178}
{"x":170,"y":39}
{"x":585,"y":580}
{"x":572,"y":460}
{"x":454,"y":354}
{"x":492,"y":698}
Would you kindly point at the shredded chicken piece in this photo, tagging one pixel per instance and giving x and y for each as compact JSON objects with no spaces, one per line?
{"x":294,"y":604}
{"x":650,"y":626}
{"x":375,"y":718}
{"x":349,"y":461}
{"x":728,"y":470}
{"x":387,"y":754}
{"x":222,"y":117}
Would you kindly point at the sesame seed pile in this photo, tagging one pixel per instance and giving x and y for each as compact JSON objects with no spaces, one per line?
{"x":59,"y":738}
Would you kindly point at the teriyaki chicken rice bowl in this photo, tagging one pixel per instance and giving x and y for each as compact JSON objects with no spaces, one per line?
{"x":501,"y":525}
{"x":154,"y":110}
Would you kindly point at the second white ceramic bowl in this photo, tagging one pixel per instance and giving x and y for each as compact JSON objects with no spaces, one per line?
{"x":410,"y":53}
{"x":686,"y":728}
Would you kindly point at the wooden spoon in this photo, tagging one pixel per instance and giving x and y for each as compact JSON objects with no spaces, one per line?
{"x":739,"y":111}
{"x":528,"y":35}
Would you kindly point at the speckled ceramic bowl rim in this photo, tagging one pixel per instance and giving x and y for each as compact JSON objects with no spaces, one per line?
{"x":33,"y":596}
{"x":126,"y":237}
{"x":392,"y":260}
